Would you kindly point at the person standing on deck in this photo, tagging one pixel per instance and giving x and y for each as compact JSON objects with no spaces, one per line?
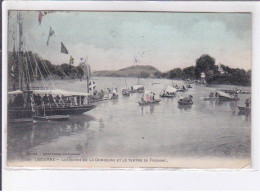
{"x":101,"y":94}
{"x":82,"y":100}
{"x":51,"y":100}
{"x":57,"y":99}
{"x":78,"y":100}
{"x":148,"y":98}
{"x":142,"y":98}
{"x":45,"y":99}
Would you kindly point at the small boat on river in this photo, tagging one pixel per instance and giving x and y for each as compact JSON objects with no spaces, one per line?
{"x":148,"y":99}
{"x":212,"y":96}
{"x":182,"y":89}
{"x":226,"y":97}
{"x":169,"y":92}
{"x":244,"y":109}
{"x":51,"y":118}
{"x":186,"y":101}
{"x":125,"y":92}
{"x":137,"y":89}
{"x":149,"y":102}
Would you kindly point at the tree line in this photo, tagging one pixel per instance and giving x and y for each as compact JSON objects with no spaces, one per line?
{"x":206,"y":64}
{"x":36,"y":67}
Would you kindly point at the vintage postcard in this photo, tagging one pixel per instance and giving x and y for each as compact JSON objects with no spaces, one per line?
{"x":103,"y":89}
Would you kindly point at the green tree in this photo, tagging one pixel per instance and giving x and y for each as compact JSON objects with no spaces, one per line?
{"x":203,"y":64}
{"x":158,"y":74}
{"x":188,"y":72}
{"x":175,"y":73}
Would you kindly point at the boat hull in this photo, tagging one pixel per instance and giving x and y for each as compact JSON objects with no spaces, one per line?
{"x":211,"y":98}
{"x":149,"y":103}
{"x":167,"y":96}
{"x":51,"y":118}
{"x":223,"y":98}
{"x":182,"y":90}
{"x":181,"y":102}
{"x":26,"y":114}
{"x":244,"y":109}
{"x":66,"y":110}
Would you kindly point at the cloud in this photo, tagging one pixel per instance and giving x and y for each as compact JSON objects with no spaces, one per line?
{"x":117,"y":40}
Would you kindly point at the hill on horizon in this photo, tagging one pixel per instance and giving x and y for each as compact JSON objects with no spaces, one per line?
{"x":131,"y":71}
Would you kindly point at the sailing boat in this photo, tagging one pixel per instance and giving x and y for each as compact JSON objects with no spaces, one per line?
{"x":169,"y":92}
{"x":125,"y":91}
{"x":26,"y":103}
{"x":137,"y":88}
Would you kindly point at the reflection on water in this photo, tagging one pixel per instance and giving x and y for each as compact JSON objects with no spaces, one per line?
{"x":122,"y":128}
{"x":148,"y":108}
{"x":23,"y":137}
{"x":184,"y":107}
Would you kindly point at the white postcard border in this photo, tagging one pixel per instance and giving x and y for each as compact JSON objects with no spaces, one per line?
{"x":18,"y":179}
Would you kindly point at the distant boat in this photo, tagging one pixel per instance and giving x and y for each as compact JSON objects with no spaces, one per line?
{"x":137,"y":88}
{"x":148,"y":99}
{"x":51,"y":118}
{"x":186,"y":101}
{"x":169,"y":92}
{"x":226,"y":97}
{"x":240,"y":91}
{"x":231,"y":92}
{"x":125,"y":91}
{"x":111,"y":95}
{"x":212,"y":96}
{"x":182,"y":89}
{"x":150,"y":102}
{"x":244,"y":109}
{"x":115,"y":94}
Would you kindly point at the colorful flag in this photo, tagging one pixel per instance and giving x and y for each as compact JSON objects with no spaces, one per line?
{"x":71,"y":60}
{"x":51,"y":33}
{"x":63,"y":49}
{"x":92,"y":85}
{"x":40,"y":17}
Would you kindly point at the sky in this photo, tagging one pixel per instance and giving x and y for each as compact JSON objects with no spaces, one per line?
{"x":115,"y":40}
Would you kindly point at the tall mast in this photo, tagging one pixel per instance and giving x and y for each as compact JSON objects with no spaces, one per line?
{"x":20,"y":61}
{"x":88,"y":74}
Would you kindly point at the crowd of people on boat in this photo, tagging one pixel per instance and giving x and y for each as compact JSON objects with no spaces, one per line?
{"x":148,"y":97}
{"x":20,"y":100}
{"x":104,"y":94}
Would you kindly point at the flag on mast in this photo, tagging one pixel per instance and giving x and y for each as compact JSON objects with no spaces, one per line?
{"x":40,"y":17}
{"x":63,"y":49}
{"x":51,"y":33}
{"x":71,"y":60}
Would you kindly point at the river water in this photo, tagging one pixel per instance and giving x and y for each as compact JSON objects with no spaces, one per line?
{"x":122,"y":129}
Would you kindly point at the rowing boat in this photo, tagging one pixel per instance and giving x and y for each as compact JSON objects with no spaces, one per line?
{"x":149,"y":102}
{"x":51,"y":118}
